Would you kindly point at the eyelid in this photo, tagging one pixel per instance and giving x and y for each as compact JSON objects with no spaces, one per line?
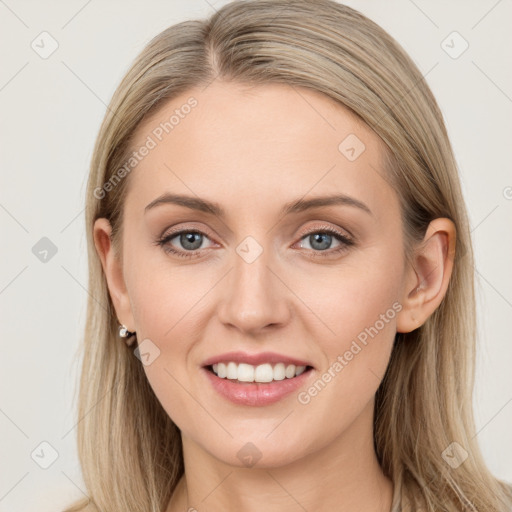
{"x":188,"y":227}
{"x":345,"y":241}
{"x":330,"y":229}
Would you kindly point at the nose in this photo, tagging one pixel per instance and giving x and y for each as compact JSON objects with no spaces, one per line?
{"x":254,"y":296}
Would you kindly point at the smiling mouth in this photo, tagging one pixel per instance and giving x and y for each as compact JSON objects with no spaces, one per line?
{"x":261,"y":374}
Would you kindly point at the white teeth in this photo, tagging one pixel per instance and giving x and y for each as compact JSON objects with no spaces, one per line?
{"x":232,"y":371}
{"x":299,"y":370}
{"x":221,"y":370}
{"x":262,"y":373}
{"x":279,"y":371}
{"x":290,"y":371}
{"x":245,"y":372}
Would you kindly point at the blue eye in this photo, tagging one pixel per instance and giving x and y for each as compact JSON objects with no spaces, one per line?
{"x":191,"y":240}
{"x":187,"y":238}
{"x":321,"y":240}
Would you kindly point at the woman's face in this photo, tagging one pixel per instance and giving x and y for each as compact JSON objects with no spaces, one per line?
{"x":269,"y":281}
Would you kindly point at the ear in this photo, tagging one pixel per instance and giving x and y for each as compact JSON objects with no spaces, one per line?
{"x":113,"y":271}
{"x":426,"y":283}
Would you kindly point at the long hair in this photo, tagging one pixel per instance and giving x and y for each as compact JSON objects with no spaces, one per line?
{"x":129,"y":449}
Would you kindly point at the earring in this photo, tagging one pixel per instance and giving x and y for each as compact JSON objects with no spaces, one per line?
{"x":129,"y":337}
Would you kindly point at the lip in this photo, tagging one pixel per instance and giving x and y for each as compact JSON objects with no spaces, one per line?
{"x":254,"y":393}
{"x":254,"y":359}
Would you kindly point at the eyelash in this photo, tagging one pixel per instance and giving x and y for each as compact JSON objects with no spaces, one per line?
{"x":346,"y":242}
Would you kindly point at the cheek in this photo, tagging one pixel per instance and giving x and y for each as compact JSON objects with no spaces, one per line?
{"x":166,"y":316}
{"x":357,"y":300}
{"x":167,"y":307}
{"x":164,"y":299}
{"x":357,"y":307}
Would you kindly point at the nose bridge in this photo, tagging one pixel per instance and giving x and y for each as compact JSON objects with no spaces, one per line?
{"x":254,"y":296}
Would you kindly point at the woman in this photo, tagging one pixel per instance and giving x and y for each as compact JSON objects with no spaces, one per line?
{"x":276,"y":229}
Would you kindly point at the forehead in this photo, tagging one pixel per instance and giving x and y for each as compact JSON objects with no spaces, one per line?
{"x":258,"y":143}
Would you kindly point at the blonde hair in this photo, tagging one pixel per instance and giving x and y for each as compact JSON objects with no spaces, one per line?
{"x":129,"y":448}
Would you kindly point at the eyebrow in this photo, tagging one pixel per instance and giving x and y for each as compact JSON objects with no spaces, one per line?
{"x":297,"y":206}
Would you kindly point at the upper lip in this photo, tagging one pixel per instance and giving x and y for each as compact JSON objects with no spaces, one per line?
{"x":254,"y":359}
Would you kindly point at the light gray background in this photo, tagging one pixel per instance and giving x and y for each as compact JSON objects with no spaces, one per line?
{"x":51,"y":113}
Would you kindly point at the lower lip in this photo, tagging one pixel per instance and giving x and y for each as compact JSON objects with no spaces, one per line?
{"x":255,"y":393}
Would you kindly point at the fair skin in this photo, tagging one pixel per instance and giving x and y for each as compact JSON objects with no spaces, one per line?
{"x":251,"y":150}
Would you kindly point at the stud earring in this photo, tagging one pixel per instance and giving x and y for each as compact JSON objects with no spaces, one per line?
{"x":128,"y":336}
